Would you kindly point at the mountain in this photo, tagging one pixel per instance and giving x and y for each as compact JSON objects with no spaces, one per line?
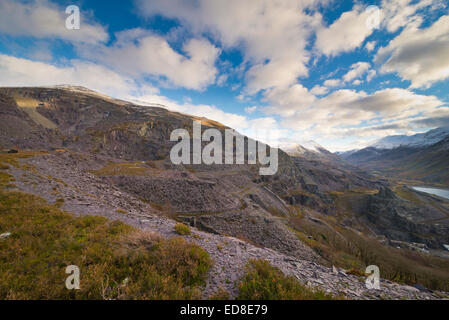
{"x":89,"y":154}
{"x":304,"y":148}
{"x":417,"y":140}
{"x":423,"y":157}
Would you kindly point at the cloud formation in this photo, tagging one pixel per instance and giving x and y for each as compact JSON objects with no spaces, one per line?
{"x":420,"y":55}
{"x":139,"y":53}
{"x":345,"y":34}
{"x":24,"y":72}
{"x":272,"y":34}
{"x":43,"y":19}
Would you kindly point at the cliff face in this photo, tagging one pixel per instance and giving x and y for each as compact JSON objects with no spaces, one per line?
{"x":403,"y":220}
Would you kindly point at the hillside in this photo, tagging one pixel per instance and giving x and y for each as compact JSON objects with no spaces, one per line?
{"x":428,"y":163}
{"x":87,"y":154}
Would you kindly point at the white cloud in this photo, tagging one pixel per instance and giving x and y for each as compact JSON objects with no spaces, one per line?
{"x":139,"y":53}
{"x":418,"y":55}
{"x":370,"y":45}
{"x":371,"y":75}
{"x":42,"y":19}
{"x":357,"y":70}
{"x":354,"y":75}
{"x":232,"y":120}
{"x":24,"y":72}
{"x":346,"y":34}
{"x":273,"y":35}
{"x":399,"y":13}
{"x":286,"y":101}
{"x":347,"y":113}
{"x":250,"y":110}
{"x":330,"y":83}
{"x":319,"y":90}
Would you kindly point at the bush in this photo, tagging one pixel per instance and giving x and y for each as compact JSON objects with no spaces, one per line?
{"x":115,"y":260}
{"x":182,"y":229}
{"x":265,"y":282}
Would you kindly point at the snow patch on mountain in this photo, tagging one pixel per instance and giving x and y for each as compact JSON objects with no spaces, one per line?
{"x":303,"y":147}
{"x":417,"y":140}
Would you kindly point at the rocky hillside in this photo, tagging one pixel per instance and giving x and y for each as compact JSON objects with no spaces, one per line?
{"x":94,"y":155}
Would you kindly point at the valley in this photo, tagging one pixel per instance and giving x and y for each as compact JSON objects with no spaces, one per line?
{"x":322,"y":218}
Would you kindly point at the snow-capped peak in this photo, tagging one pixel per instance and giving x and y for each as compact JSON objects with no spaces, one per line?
{"x":302,"y":147}
{"x":416,"y":140}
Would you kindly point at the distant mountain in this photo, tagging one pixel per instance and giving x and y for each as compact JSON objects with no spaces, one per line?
{"x":305,"y":147}
{"x":422,"y":157}
{"x":417,"y":140}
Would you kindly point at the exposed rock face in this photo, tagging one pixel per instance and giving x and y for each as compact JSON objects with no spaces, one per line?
{"x":256,"y":227}
{"x":402,"y":220}
{"x":181,"y":194}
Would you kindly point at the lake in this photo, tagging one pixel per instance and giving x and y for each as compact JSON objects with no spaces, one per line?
{"x":438,"y":192}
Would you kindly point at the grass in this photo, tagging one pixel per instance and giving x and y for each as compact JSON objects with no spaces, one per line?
{"x":265,"y":282}
{"x":13,"y":158}
{"x":115,"y":260}
{"x":182,"y":229}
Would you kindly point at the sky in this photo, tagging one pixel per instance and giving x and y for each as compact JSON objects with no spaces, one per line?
{"x":342,"y":73}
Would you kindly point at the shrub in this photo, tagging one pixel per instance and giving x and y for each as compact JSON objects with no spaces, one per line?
{"x":115,"y":260}
{"x":265,"y":282}
{"x":182,"y":229}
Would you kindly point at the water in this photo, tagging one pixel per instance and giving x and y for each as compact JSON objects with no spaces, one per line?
{"x":438,"y":192}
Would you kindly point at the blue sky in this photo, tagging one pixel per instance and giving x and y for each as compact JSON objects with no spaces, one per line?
{"x":342,"y":73}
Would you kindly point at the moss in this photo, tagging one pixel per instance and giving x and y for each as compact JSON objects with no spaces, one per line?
{"x":121,"y":211}
{"x":182,"y":229}
{"x":265,"y":282}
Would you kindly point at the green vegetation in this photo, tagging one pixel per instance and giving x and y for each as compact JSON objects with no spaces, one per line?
{"x":115,"y":260}
{"x":182,"y":229}
{"x":13,"y":158}
{"x":265,"y":282}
